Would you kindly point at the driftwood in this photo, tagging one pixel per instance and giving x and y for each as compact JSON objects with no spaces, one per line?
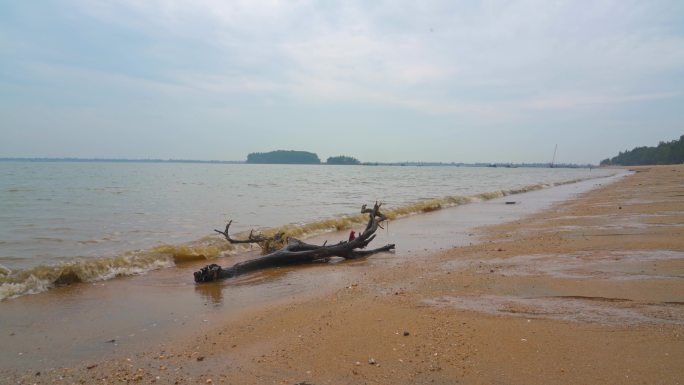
{"x":298,"y":252}
{"x":267,"y":244}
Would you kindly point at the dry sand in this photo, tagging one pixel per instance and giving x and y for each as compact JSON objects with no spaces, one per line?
{"x":590,"y":291}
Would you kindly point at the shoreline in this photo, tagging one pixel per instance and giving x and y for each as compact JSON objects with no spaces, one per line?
{"x":361,"y":310}
{"x":16,"y":281}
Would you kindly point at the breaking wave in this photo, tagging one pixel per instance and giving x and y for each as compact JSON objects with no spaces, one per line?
{"x":41,"y":278}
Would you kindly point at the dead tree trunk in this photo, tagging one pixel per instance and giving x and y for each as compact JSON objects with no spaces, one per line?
{"x":298,"y":252}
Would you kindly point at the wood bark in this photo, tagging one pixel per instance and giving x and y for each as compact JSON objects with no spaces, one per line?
{"x":299,"y":252}
{"x":267,"y":244}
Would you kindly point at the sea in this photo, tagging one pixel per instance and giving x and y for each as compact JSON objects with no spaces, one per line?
{"x":67,"y":222}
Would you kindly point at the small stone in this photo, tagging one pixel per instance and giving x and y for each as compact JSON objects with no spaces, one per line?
{"x":406,"y":333}
{"x":358,"y":363}
{"x":372,"y":361}
{"x":209,"y":381}
{"x":91,"y":366}
{"x":200,"y":358}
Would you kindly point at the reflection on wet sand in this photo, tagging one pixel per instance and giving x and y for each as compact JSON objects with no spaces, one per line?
{"x":604,"y":311}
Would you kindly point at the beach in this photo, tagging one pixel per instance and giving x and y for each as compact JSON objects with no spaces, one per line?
{"x":581,"y":285}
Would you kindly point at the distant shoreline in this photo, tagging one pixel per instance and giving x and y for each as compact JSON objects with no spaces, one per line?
{"x":191,"y":161}
{"x":114,"y":160}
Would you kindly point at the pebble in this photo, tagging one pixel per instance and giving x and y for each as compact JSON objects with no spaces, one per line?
{"x":406,"y":333}
{"x":371,"y":361}
{"x":200,"y":358}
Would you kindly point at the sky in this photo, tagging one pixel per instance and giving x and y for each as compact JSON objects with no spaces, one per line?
{"x":387,"y":81}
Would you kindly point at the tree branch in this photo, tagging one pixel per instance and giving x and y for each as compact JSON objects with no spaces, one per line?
{"x":298,"y":252}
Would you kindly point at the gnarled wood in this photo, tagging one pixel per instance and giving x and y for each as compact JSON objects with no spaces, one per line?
{"x":298,"y":252}
{"x":251,"y":238}
{"x":267,"y":244}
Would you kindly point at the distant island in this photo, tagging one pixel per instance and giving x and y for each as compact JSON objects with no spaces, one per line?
{"x":283,"y":157}
{"x":665,"y":153}
{"x":297,"y":157}
{"x":342,"y":159}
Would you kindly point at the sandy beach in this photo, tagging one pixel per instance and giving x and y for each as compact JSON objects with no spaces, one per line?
{"x":587,"y":290}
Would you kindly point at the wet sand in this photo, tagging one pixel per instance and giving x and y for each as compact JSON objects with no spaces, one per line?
{"x":588,"y":289}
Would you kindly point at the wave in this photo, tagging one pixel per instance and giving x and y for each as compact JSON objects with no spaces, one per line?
{"x":41,"y":278}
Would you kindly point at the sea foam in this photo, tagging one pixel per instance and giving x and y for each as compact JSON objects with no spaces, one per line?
{"x":14,"y":283}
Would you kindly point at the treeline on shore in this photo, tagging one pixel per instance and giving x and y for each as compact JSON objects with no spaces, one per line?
{"x":665,"y":153}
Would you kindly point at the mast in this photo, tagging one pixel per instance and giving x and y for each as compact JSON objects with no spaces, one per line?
{"x":554,"y":155}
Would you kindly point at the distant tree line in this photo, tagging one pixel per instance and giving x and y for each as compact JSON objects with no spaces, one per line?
{"x":284,"y":157}
{"x":665,"y":153}
{"x":342,"y":159}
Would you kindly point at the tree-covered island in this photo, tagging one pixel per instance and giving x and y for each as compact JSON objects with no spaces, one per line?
{"x":283,"y":157}
{"x":342,"y":159}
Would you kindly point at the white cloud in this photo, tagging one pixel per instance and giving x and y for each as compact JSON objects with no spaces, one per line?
{"x":443,"y":57}
{"x":560,"y":102}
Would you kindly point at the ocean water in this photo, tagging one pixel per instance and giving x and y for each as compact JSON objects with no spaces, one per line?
{"x":63,"y":222}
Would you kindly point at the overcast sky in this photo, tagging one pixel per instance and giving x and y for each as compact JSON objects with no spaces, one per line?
{"x":490,"y":81}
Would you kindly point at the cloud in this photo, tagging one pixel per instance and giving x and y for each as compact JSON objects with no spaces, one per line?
{"x":560,"y":102}
{"x":381,"y":54}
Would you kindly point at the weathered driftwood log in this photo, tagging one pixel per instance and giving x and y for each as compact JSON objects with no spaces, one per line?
{"x":298,"y":252}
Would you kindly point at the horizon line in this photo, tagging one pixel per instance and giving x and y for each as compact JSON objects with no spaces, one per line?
{"x":214,"y":161}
